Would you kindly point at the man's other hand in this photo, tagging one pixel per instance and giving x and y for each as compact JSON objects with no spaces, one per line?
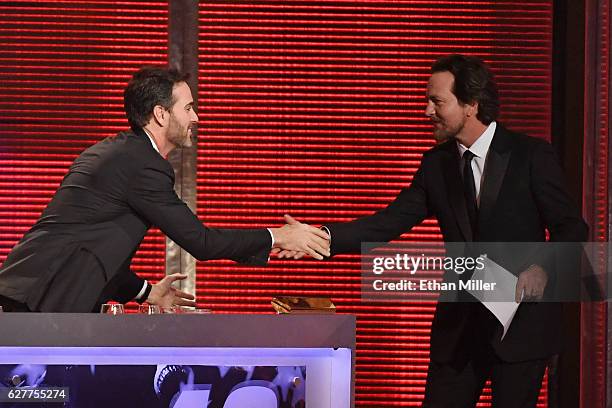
{"x":164,"y":294}
{"x":298,"y":239}
{"x":531,"y":284}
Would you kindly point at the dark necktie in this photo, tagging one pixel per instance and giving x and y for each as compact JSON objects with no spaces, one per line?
{"x":469,"y":188}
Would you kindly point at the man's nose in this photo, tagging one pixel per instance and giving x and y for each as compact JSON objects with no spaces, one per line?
{"x":194,"y":116}
{"x":429,"y":109}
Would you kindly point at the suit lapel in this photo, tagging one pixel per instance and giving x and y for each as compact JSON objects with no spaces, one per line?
{"x":494,"y":172}
{"x":454,"y":187}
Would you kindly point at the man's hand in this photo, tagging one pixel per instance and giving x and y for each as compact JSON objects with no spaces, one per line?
{"x":295,"y":237}
{"x":283,"y":253}
{"x":532,"y":282}
{"x":164,"y":294}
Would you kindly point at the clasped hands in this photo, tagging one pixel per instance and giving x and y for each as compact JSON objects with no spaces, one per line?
{"x":295,"y":239}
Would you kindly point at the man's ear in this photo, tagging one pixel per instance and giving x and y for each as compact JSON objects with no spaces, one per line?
{"x":160,"y":114}
{"x":472,"y":109}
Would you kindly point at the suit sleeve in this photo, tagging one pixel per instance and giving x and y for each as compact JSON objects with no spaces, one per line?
{"x":407,"y":210}
{"x":562,"y":219}
{"x":126,"y":287}
{"x":561,"y":216}
{"x":152,"y":195}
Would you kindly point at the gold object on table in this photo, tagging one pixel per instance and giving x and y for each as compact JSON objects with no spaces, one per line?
{"x":303,"y":305}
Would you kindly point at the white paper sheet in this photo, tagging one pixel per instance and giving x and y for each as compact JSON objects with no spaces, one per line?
{"x":500,"y":300}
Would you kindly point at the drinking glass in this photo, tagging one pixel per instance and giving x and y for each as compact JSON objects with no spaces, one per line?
{"x":149,"y":309}
{"x":112,"y":308}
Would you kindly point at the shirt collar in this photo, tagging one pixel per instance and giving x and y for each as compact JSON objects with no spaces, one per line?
{"x":151,"y":140}
{"x":480,"y":147}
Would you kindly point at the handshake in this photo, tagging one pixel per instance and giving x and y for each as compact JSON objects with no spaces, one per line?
{"x":294,"y":240}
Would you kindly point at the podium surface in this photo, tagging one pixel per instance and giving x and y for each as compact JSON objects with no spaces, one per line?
{"x":183,"y":360}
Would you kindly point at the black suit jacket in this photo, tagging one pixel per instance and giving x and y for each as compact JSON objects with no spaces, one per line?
{"x":522,"y":195}
{"x":79,"y":252}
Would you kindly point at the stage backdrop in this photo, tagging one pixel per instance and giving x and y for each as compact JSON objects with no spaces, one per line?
{"x":308,"y":108}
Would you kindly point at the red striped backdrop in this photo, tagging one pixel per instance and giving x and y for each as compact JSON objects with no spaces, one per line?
{"x":63,"y":68}
{"x":316,"y":109}
{"x":310,"y":108}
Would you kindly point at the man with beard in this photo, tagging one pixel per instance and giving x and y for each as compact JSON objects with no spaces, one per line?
{"x":487,"y":184}
{"x":78,"y":253}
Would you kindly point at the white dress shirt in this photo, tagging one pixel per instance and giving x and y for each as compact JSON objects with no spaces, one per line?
{"x":480,"y":148}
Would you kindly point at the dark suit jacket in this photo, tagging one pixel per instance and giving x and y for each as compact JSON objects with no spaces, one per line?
{"x":79,"y":252}
{"x":522,"y":195}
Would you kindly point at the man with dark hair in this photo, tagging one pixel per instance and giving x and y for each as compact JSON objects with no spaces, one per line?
{"x":150,"y":86}
{"x":472,"y":82}
{"x":78,"y":253}
{"x":483,"y":183}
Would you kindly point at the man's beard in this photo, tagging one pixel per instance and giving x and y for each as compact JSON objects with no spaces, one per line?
{"x":180,"y":137}
{"x":442,"y":134}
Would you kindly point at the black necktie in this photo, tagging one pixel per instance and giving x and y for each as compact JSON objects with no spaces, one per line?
{"x":469,"y":188}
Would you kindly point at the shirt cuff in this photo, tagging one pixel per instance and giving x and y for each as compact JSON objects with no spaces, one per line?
{"x":271,"y":236}
{"x":142,"y":291}
{"x":324,"y":228}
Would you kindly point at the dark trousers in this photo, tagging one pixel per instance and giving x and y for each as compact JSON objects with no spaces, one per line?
{"x":10,"y":305}
{"x":514,"y":385}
